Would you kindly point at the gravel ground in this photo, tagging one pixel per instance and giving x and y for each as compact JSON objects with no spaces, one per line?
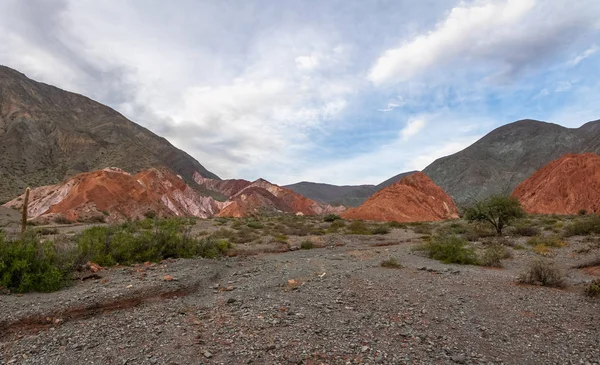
{"x":330,"y":305}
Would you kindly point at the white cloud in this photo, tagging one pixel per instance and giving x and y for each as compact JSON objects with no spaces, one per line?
{"x":505,"y":35}
{"x":585,"y":54}
{"x":413,"y":127}
{"x":307,"y":62}
{"x":466,"y":29}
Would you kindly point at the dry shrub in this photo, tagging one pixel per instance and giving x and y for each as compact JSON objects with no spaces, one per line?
{"x":544,"y":273}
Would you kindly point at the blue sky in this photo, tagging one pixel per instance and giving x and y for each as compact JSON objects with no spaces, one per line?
{"x":344,"y":92}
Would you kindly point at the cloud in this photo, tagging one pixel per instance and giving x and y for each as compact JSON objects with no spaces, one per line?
{"x":509,"y":34}
{"x":585,"y":54}
{"x":413,"y":127}
{"x":339,"y":91}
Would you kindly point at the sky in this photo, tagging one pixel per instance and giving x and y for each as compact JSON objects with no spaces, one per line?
{"x":336,"y":91}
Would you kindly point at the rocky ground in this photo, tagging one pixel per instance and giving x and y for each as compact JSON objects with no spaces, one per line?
{"x":329,"y":305}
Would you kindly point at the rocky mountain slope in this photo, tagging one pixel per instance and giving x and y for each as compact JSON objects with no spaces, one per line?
{"x":508,"y":155}
{"x":48,"y":134}
{"x":564,"y":186}
{"x":115,"y":195}
{"x":347,"y":195}
{"x":414,"y":198}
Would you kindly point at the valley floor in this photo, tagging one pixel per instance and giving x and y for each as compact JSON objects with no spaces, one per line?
{"x":331,"y":305}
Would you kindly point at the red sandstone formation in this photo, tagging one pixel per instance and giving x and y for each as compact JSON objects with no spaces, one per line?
{"x":414,"y":198}
{"x":114,"y":195}
{"x":564,"y":186}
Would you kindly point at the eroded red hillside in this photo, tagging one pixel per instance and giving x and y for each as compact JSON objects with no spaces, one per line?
{"x":414,"y":198}
{"x":564,"y":186}
{"x":114,"y":195}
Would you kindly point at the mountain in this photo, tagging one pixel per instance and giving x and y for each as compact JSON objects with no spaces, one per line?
{"x":251,"y":197}
{"x":253,"y":200}
{"x":414,"y":198}
{"x":48,"y":134}
{"x":114,"y":195}
{"x":347,"y":195}
{"x":564,"y":186}
{"x":508,"y":155}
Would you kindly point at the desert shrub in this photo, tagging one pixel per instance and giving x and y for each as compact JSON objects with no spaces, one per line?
{"x":307,"y":245}
{"x":224,"y":233}
{"x":584,"y":226}
{"x":380,"y":229}
{"x":236,"y":224}
{"x":422,"y":228}
{"x":542,"y":249}
{"x":526,"y":231}
{"x":450,"y":250}
{"x":394,"y":224}
{"x":592,"y":289}
{"x":331,"y":218}
{"x":27,"y":264}
{"x":281,"y":238}
{"x":493,"y":254}
{"x":255,"y":225}
{"x":358,"y":227}
{"x":46,"y":231}
{"x":391,"y":263}
{"x":125,"y":245}
{"x":336,"y":225}
{"x":582,"y":212}
{"x":59,"y":219}
{"x":542,"y":272}
{"x":149,"y":214}
{"x":548,"y":241}
{"x":244,"y":235}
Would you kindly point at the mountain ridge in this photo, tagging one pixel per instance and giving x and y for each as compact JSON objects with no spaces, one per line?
{"x":48,"y":134}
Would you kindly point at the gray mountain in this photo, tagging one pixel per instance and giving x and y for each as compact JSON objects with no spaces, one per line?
{"x":348,"y":195}
{"x":48,"y":134}
{"x":508,"y":155}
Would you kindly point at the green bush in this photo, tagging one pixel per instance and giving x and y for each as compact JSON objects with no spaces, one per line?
{"x":27,"y":264}
{"x":450,"y":250}
{"x":380,"y":229}
{"x":336,"y":225}
{"x":422,"y":228}
{"x":125,"y":245}
{"x":593,"y":289}
{"x":281,"y":238}
{"x":391,"y":263}
{"x":542,"y":272}
{"x":331,"y":218}
{"x":584,"y":226}
{"x":307,"y":245}
{"x":549,"y":241}
{"x":358,"y":227}
{"x":526,"y":231}
{"x":492,"y":255}
{"x":255,"y":225}
{"x":394,"y":224}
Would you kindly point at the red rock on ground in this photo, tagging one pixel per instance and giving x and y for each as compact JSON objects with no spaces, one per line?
{"x":564,"y":186}
{"x":415,"y":198}
{"x":114,"y":195}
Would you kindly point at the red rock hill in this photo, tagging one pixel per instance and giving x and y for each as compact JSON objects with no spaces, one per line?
{"x":414,"y":198}
{"x":564,"y":186}
{"x":115,"y":195}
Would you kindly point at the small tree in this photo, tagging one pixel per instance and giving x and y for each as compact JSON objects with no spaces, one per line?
{"x":498,"y":210}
